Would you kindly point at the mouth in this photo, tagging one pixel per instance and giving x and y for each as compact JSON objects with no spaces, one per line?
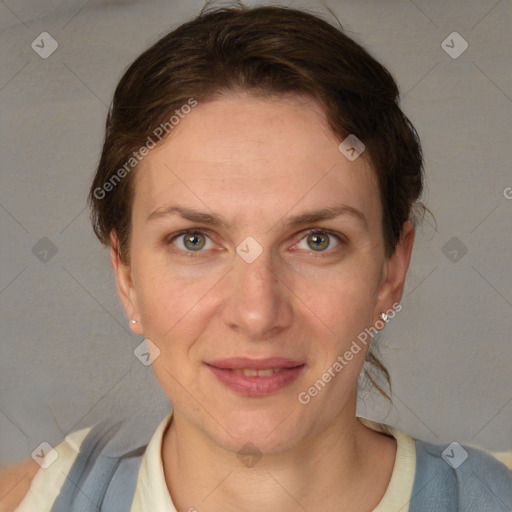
{"x":256,"y":377}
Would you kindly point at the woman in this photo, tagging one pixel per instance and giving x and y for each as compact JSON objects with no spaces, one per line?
{"x":257,"y":188}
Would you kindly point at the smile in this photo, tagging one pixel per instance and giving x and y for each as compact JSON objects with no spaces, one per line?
{"x":256,"y":377}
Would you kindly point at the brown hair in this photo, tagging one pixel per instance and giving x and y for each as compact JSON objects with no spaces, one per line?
{"x":266,"y":51}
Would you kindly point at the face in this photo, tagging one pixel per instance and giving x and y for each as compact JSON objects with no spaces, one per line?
{"x":251,"y":278}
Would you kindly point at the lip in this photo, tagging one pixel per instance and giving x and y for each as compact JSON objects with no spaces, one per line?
{"x":239,"y":363}
{"x":290,"y":371}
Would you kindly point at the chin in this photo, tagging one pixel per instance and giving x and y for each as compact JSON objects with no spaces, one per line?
{"x":270,"y":431}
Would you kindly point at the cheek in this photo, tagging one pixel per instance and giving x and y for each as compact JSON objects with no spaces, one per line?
{"x":168,"y":303}
{"x":342,"y":296}
{"x":173,"y":311}
{"x":346,"y":305}
{"x":174,"y":303}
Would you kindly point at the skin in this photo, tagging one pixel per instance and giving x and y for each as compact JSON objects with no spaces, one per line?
{"x":15,"y":483}
{"x":256,"y":162}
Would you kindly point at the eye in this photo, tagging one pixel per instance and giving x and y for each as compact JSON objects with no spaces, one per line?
{"x":318,"y":239}
{"x":191,"y":240}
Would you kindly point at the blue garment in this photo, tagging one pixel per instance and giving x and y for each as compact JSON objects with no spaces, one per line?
{"x":479,"y":484}
{"x":102,"y":480}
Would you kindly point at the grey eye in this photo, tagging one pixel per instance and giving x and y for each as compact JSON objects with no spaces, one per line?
{"x":319,"y":241}
{"x":192,"y":241}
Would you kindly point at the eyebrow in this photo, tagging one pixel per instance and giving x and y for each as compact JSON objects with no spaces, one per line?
{"x":309,"y":217}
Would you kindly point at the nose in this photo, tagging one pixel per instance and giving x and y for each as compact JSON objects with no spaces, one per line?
{"x":257,"y":301}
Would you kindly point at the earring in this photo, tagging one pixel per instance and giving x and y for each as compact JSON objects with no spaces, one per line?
{"x":134,"y":322}
{"x":384,"y":317}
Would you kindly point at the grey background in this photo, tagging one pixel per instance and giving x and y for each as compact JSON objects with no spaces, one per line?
{"x":66,"y":356}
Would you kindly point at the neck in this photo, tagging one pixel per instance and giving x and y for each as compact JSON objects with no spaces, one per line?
{"x":347,"y":463}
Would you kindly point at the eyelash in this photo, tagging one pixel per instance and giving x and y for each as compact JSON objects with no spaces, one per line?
{"x":322,"y":254}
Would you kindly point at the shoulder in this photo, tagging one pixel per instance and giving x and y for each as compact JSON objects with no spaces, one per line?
{"x":460,"y":477}
{"x":15,"y":482}
{"x":504,"y":457}
{"x":111,"y":445}
{"x":30,"y":482}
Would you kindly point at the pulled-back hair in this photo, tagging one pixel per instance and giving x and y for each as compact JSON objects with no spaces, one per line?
{"x":265,"y":51}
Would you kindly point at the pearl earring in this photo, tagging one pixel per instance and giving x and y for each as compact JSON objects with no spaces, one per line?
{"x":134,"y":322}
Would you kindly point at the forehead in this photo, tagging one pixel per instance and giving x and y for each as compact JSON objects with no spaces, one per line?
{"x":243,"y":156}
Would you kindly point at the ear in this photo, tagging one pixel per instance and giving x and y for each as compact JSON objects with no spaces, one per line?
{"x":395,"y":271}
{"x":124,"y":282}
